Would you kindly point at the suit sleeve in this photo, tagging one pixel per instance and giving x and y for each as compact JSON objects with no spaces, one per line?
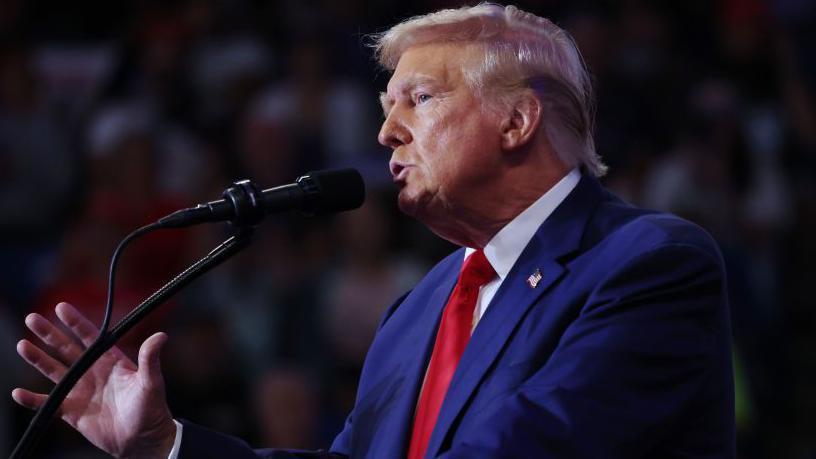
{"x":202,"y":443}
{"x":645,"y":354}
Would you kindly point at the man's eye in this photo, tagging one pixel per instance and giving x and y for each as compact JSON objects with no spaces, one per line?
{"x":422,"y":98}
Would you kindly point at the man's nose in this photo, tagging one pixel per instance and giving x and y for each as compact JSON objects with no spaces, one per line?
{"x":393,"y":132}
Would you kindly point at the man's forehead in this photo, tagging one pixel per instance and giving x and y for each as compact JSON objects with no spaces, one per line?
{"x":429,"y":63}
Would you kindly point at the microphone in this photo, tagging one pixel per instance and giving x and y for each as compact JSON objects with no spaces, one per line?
{"x":319,"y":192}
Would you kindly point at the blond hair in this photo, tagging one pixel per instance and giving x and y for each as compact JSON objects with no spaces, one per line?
{"x":521,"y":50}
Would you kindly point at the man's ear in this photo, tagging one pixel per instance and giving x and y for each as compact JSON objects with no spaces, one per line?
{"x":522,"y":122}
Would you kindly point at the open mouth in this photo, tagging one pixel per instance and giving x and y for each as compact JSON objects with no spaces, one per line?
{"x":398,"y":171}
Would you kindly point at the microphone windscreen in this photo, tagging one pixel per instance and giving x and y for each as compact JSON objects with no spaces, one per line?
{"x":337,"y":190}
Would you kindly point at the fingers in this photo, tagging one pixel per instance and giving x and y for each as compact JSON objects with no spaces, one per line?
{"x":149,"y":363}
{"x":66,"y":348}
{"x":77,"y":323}
{"x":28,"y":399}
{"x":44,"y":363}
{"x":33,"y":401}
{"x":86,"y":331}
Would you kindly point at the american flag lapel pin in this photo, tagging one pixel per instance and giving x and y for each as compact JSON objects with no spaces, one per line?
{"x":534,"y":279}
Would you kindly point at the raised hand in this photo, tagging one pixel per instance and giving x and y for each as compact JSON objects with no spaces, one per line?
{"x":118,"y":406}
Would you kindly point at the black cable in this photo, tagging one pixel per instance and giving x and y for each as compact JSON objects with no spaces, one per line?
{"x":112,"y":272}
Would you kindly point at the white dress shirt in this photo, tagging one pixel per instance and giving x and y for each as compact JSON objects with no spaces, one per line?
{"x":177,"y":443}
{"x":502,"y":251}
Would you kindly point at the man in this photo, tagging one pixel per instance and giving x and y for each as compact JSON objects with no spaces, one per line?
{"x":571,"y":325}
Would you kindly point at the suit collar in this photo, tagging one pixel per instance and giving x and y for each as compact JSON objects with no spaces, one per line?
{"x":562,"y":233}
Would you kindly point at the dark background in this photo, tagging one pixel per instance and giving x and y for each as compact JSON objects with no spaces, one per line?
{"x":116,"y":113}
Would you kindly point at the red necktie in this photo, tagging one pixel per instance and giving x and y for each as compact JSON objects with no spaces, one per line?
{"x":451,"y":339}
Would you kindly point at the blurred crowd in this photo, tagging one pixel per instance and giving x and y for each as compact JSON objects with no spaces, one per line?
{"x":114,"y":114}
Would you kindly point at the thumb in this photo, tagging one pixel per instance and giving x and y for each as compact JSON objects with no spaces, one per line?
{"x":149,"y":363}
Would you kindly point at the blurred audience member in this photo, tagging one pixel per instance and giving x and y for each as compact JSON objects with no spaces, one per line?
{"x":39,"y":176}
{"x":285,"y":404}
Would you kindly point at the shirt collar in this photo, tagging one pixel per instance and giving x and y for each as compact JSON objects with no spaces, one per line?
{"x":506,"y":246}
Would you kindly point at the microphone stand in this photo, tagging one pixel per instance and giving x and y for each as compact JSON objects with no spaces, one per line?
{"x":39,"y":423}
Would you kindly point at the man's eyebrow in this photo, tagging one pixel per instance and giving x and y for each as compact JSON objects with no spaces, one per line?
{"x":405,"y":87}
{"x":419,"y":80}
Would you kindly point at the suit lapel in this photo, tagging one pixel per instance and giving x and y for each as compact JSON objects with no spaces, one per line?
{"x":416,"y":352}
{"x":559,"y":235}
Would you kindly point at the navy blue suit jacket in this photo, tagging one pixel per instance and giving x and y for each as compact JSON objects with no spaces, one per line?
{"x":622,"y":350}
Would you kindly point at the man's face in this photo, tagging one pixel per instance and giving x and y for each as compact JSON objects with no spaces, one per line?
{"x":445,"y":143}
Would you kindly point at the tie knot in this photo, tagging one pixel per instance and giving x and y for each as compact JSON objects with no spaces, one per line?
{"x":476,"y":270}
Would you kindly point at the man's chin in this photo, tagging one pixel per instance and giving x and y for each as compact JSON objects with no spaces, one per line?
{"x":408,"y":206}
{"x":412,"y":206}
